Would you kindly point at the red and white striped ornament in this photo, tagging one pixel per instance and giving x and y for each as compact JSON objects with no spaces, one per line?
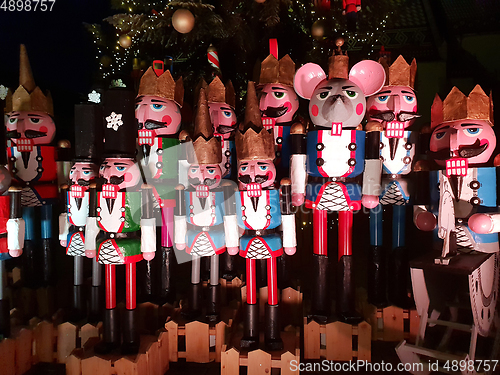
{"x":213,"y":57}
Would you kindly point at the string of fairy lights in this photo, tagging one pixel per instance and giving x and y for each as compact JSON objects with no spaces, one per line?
{"x":118,"y":58}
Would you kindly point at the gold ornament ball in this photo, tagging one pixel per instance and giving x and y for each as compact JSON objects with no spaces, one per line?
{"x":125,"y":41}
{"x":317,"y":30}
{"x":106,"y":61}
{"x":339,"y":42}
{"x":183,"y":21}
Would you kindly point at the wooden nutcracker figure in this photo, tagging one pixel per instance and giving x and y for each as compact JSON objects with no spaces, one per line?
{"x":158,"y":116}
{"x":76,"y":198}
{"x":122,"y":210}
{"x":32,"y":163}
{"x":7,"y":241}
{"x":261,"y":209}
{"x":333,"y":154}
{"x":202,"y":206}
{"x":461,"y":204}
{"x":390,"y":112}
{"x":278,"y":103}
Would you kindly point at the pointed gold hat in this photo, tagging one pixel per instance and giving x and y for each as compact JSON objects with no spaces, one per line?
{"x":163,"y":86}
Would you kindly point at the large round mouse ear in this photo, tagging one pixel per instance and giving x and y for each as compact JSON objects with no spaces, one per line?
{"x":369,"y":75}
{"x":307,"y":78}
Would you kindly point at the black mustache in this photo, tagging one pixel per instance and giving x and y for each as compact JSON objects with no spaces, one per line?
{"x":194,"y":181}
{"x":224,"y":129}
{"x":464,"y":151}
{"x":246,"y":179}
{"x":209,"y":181}
{"x":115,"y":180}
{"x":390,"y":116}
{"x":151,"y":125}
{"x":13,"y":134}
{"x":82,"y":182}
{"x":274,"y":111}
{"x":34,"y":134}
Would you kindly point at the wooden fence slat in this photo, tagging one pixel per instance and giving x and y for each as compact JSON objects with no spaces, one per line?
{"x":125,"y":366}
{"x":338,"y":341}
{"x":172,"y":328}
{"x":43,"y":336}
{"x":73,"y":365}
{"x":220,"y":335}
{"x":197,"y":342}
{"x":96,"y":365}
{"x":311,"y":340}
{"x":364,"y":342}
{"x":259,"y":362}
{"x":230,"y":362}
{"x":393,"y":323}
{"x":66,"y":340}
{"x":86,"y":332}
{"x":24,"y":349}
{"x":414,"y":325}
{"x":163,"y":350}
{"x":286,"y":364}
{"x":153,"y":357}
{"x":8,"y":355}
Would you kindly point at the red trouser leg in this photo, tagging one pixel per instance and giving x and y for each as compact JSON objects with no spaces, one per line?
{"x":345,"y":233}
{"x":272,"y":282}
{"x":251,"y":282}
{"x":130,"y":286}
{"x":110,"y":286}
{"x":319,"y":228}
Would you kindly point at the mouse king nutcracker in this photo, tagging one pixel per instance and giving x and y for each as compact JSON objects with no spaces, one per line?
{"x":158,"y":117}
{"x":32,"y":162}
{"x":202,"y":206}
{"x":261,"y":209}
{"x":333,"y":154}
{"x":85,"y":169}
{"x":122,"y":210}
{"x":390,"y":112}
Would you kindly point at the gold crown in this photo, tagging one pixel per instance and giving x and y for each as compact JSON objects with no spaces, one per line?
{"x":253,"y":142}
{"x":218,"y":93}
{"x":207,"y":148}
{"x":28,"y":96}
{"x":457,"y":106}
{"x":163,"y":86}
{"x":338,"y":63}
{"x":400,"y":73}
{"x":274,"y":71}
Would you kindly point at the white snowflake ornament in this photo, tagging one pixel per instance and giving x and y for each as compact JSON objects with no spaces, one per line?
{"x":94,"y":97}
{"x":3,"y":92}
{"x":114,"y":121}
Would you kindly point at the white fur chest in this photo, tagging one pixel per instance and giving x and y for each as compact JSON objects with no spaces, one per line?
{"x":34,"y":167}
{"x":259,"y":218}
{"x":335,"y":152}
{"x":112,"y":220}
{"x":403,"y":157}
{"x":78,"y":216}
{"x":199,"y":215}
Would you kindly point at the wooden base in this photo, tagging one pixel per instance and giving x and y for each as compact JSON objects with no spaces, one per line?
{"x":337,"y":341}
{"x":152,"y":359}
{"x":197,"y":341}
{"x":392,"y":323}
{"x":261,"y":362}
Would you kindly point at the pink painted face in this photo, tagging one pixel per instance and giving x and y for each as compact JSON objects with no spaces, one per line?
{"x":472,"y":140}
{"x":394,"y":106}
{"x":156,"y":116}
{"x":223,"y":119}
{"x":278,"y":102}
{"x":122,"y":172}
{"x":337,"y":103}
{"x":209,"y":175}
{"x":28,"y":128}
{"x":256,"y":172}
{"x":82,"y":173}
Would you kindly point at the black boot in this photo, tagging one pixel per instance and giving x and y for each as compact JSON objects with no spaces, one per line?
{"x":284,"y":271}
{"x":167,"y":292}
{"x":31,"y":266}
{"x":131,"y":339}
{"x":213,"y":309}
{"x":111,"y":335}
{"x":78,"y":308}
{"x":193,"y":310}
{"x":345,"y":303}
{"x":228,"y":263}
{"x":320,"y":304}
{"x":96,"y":298}
{"x":377,"y":276}
{"x":4,"y":318}
{"x":145,"y":277}
{"x":273,"y":329}
{"x":400,"y":275}
{"x":47,"y":262}
{"x":250,"y":339}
